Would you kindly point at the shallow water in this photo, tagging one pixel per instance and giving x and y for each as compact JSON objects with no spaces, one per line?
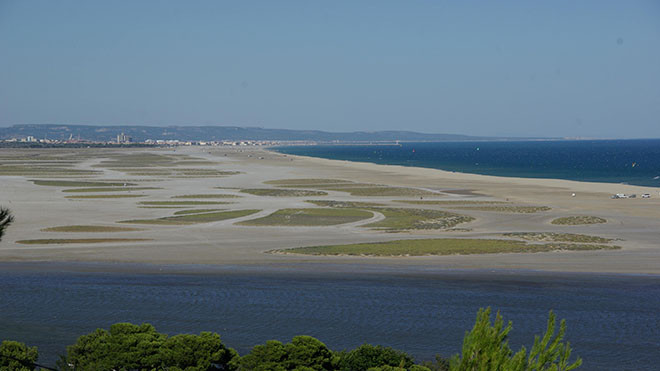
{"x":613,"y":321}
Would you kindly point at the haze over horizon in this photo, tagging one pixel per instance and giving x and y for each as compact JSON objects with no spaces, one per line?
{"x":511,"y":68}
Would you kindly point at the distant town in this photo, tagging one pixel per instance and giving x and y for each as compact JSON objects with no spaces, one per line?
{"x":123,"y":140}
{"x":42,"y":135}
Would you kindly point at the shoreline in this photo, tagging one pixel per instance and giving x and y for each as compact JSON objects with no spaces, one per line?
{"x":558,"y":182}
{"x":273,"y":149}
{"x":348,"y":271}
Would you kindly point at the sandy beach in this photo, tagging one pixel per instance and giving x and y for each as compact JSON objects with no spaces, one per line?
{"x":634,"y":223}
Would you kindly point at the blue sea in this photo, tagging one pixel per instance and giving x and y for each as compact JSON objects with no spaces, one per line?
{"x":634,"y":162}
{"x":612,"y":320}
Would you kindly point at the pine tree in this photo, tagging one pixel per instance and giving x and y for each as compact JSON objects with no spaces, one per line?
{"x":486,"y":348}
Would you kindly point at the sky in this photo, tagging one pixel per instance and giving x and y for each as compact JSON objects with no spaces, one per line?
{"x":491,"y":68}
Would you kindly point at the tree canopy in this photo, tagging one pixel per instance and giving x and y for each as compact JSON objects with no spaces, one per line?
{"x":128,"y":346}
{"x":486,"y":348}
{"x":17,"y":356}
{"x":368,"y":356}
{"x":140,"y":347}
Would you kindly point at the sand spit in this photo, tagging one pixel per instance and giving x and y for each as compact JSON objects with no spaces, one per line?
{"x":635,"y":223}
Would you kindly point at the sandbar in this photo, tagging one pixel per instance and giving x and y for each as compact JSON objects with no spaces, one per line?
{"x":634,"y":223}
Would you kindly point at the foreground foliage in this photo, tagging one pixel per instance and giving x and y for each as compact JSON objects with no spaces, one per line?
{"x":17,"y":356}
{"x":140,"y":347}
{"x":5,"y":220}
{"x":486,"y":348}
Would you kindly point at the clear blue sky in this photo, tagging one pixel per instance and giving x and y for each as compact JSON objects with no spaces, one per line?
{"x":524,"y":68}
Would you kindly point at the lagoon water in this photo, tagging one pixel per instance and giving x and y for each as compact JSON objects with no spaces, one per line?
{"x":613,"y":320}
{"x":611,"y":161}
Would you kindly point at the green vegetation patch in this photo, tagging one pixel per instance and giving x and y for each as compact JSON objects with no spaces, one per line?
{"x":444,"y":246}
{"x":108,"y":189}
{"x":162,"y":207}
{"x":195,"y":211}
{"x":383,"y":191}
{"x":579,"y":220}
{"x":83,"y":197}
{"x":162,"y":164}
{"x":355,"y":189}
{"x":79,"y":240}
{"x":182,"y":203}
{"x":150,"y":160}
{"x":207,"y":196}
{"x":310,"y":217}
{"x":274,"y":192}
{"x":90,"y":229}
{"x":558,"y":237}
{"x":450,"y":203}
{"x":308,"y":181}
{"x":74,"y":183}
{"x":335,"y":186}
{"x":507,"y":209}
{"x":194,"y":218}
{"x":49,"y":171}
{"x":200,"y":173}
{"x":407,"y":219}
{"x":177,"y":173}
{"x":344,"y":204}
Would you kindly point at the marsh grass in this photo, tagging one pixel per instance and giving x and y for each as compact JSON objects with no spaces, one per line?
{"x":579,"y":220}
{"x":335,"y":186}
{"x":75,"y":183}
{"x":195,"y":211}
{"x":49,"y":171}
{"x":344,"y":204}
{"x":451,"y":203}
{"x":207,"y":196}
{"x":162,"y":164}
{"x":385,"y":191}
{"x":275,"y":192}
{"x":108,"y":189}
{"x":355,"y":189}
{"x":162,"y":207}
{"x":402,"y":219}
{"x":446,"y":246}
{"x":79,"y":240}
{"x":182,"y":203}
{"x":506,"y":209}
{"x":90,"y":229}
{"x":88,"y":197}
{"x":194,"y":218}
{"x":558,"y":237}
{"x":305,"y":181}
{"x":145,"y":160}
{"x":310,"y":217}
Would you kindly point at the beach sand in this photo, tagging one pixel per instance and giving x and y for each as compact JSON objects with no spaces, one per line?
{"x":635,"y":222}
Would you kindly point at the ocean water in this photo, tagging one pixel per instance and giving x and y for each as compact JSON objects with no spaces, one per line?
{"x":612,"y":161}
{"x":613,"y":320}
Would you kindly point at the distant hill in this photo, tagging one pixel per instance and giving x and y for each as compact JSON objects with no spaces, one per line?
{"x":216,"y":133}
